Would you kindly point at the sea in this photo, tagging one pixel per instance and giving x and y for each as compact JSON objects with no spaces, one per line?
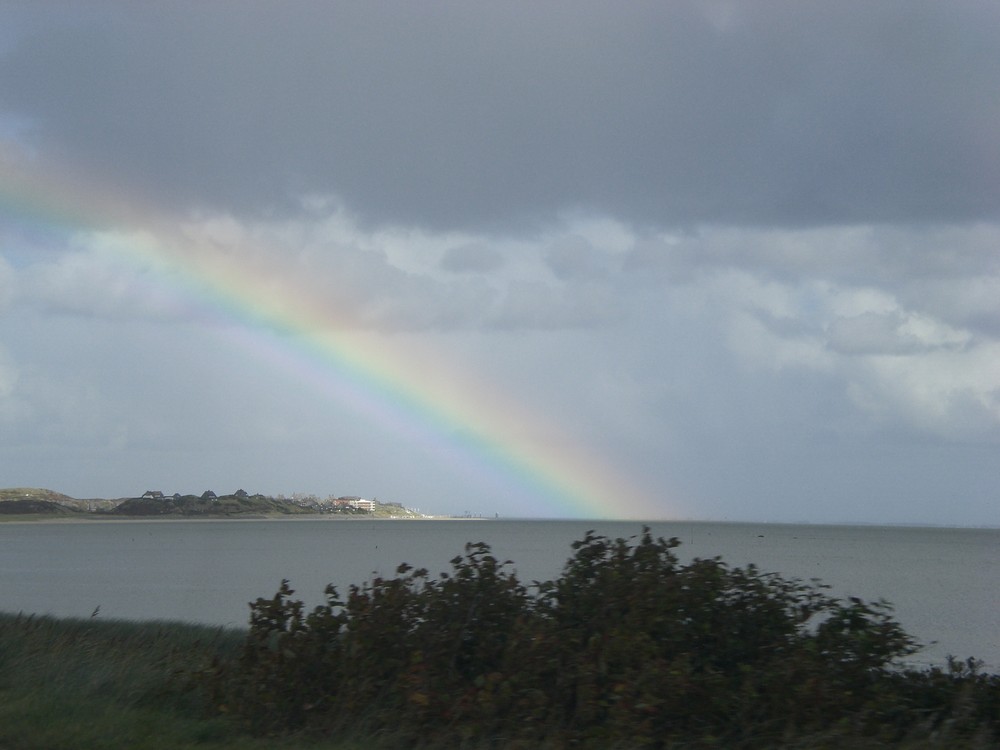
{"x":943,"y":583}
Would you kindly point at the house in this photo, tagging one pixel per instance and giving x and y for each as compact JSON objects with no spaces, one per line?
{"x":355,"y":503}
{"x":152,"y":495}
{"x":209,"y":495}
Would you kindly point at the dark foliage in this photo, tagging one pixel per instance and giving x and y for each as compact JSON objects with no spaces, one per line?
{"x":38,"y":507}
{"x":207,"y":504}
{"x":628,"y":648}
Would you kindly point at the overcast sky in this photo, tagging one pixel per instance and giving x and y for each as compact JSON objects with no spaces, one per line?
{"x":745,"y":253}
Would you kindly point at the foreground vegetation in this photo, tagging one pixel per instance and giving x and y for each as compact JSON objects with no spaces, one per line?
{"x":112,"y":685}
{"x":626,"y":649}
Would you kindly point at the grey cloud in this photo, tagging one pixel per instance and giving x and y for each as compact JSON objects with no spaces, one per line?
{"x":369,"y":280}
{"x":973,"y":303}
{"x":675,"y":260}
{"x":537,"y":305}
{"x":871,"y":333}
{"x":472,"y":258}
{"x":361,"y":287}
{"x":7,"y":283}
{"x":487,"y":115}
{"x":54,"y":409}
{"x":88,"y":284}
{"x":573,"y":257}
{"x":8,"y":379}
{"x":342,"y":272}
{"x":422,"y":304}
{"x":789,"y":326}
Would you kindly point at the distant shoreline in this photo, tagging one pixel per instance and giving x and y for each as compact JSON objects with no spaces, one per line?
{"x":92,"y":518}
{"x":39,"y":505}
{"x":108,"y":518}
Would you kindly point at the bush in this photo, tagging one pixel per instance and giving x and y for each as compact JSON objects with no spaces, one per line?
{"x":627,"y":648}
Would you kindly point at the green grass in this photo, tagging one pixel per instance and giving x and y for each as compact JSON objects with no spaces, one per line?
{"x":110,"y":685}
{"x":31,"y":493}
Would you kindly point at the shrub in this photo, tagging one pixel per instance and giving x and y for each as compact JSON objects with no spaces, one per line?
{"x":627,"y":648}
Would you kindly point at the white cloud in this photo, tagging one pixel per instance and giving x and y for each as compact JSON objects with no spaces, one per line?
{"x":90,"y":279}
{"x":758,"y":345}
{"x":829,"y":302}
{"x":780,"y":301}
{"x":399,"y":278}
{"x":892,"y":332}
{"x":953,"y":395}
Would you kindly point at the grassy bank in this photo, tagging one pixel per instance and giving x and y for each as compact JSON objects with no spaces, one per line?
{"x":110,"y":685}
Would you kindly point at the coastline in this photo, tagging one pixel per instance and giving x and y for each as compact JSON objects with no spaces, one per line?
{"x":21,"y":519}
{"x":38,"y":505}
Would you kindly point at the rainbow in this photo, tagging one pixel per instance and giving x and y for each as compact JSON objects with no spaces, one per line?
{"x":467,"y":425}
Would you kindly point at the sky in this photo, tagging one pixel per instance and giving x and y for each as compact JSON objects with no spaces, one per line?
{"x":688,"y":260}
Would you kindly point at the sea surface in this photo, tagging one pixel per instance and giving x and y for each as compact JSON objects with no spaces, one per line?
{"x":944,"y":583}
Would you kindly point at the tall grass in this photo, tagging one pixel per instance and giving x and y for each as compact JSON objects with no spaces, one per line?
{"x":111,"y":685}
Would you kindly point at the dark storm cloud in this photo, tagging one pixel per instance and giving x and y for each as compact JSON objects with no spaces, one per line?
{"x":490,"y":115}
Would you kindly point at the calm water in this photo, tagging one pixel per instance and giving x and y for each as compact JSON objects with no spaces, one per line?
{"x":944,"y":583}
